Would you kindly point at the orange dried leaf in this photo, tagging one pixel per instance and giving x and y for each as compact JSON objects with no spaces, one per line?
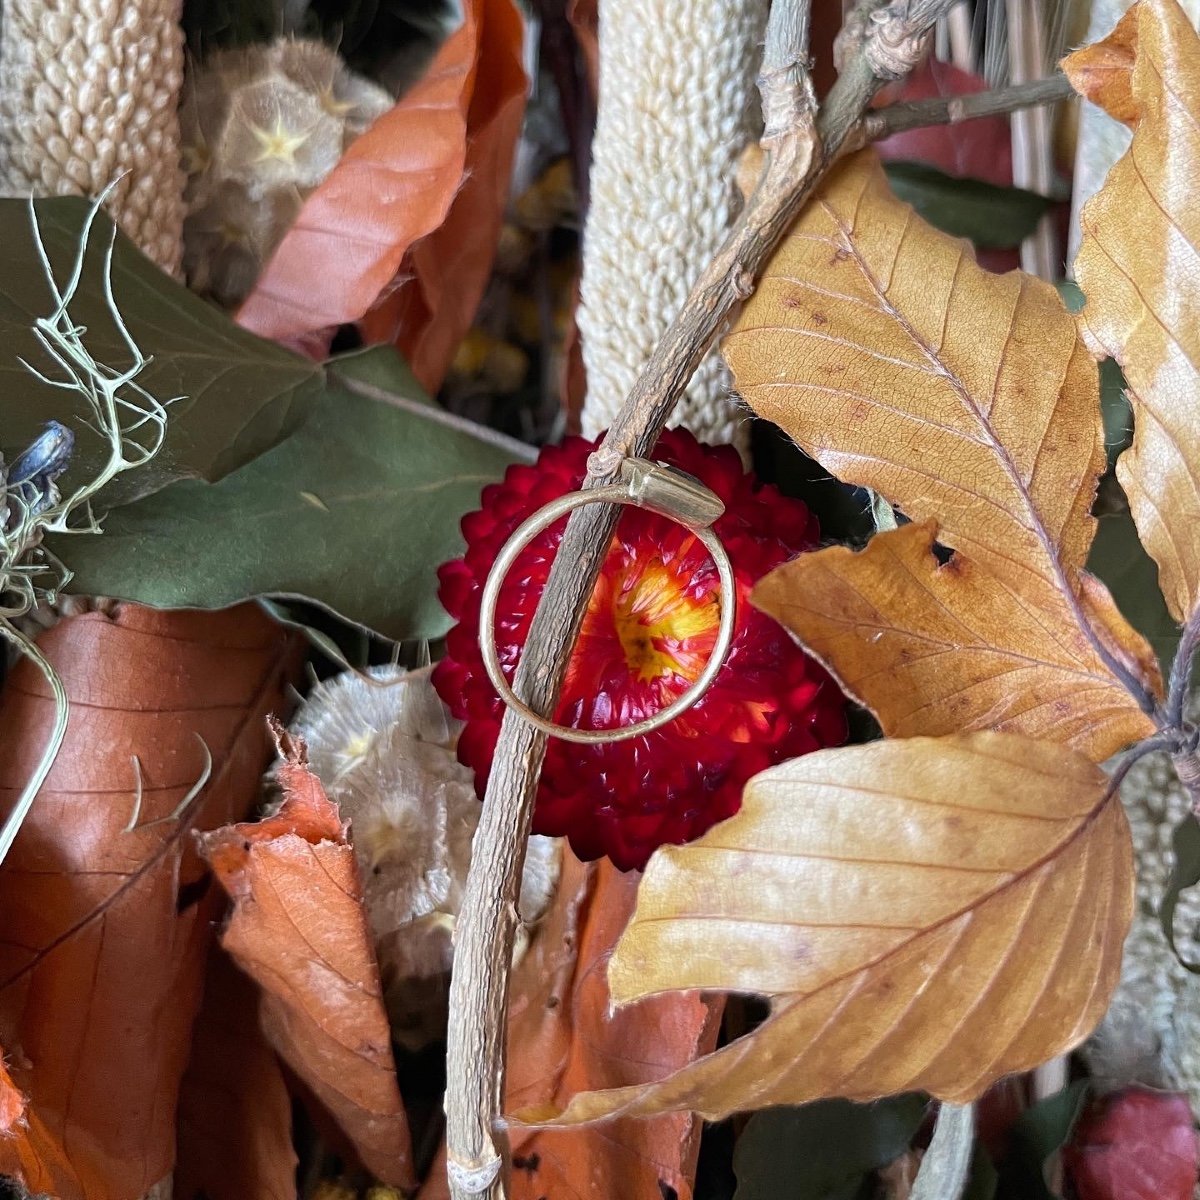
{"x":393,"y":186}
{"x":298,"y":928}
{"x":1139,"y":266}
{"x":12,"y":1103}
{"x":937,"y":649}
{"x":105,"y":910}
{"x":927,"y":913}
{"x":430,"y":310}
{"x":562,"y":1038}
{"x":235,"y":1115}
{"x":1101,"y":72}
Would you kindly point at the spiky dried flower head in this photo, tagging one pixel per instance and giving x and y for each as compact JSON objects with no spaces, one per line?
{"x":649,"y":629}
{"x":383,"y":745}
{"x":262,"y":126}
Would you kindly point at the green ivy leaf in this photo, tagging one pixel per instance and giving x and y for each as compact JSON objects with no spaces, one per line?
{"x":241,"y":394}
{"x":354,"y":512}
{"x":822,"y":1151}
{"x":1114,"y":403}
{"x":1185,"y":873}
{"x":1119,"y":559}
{"x":994,"y":218}
{"x":1039,"y":1132}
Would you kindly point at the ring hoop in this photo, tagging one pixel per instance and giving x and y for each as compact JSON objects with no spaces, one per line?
{"x":644,"y":484}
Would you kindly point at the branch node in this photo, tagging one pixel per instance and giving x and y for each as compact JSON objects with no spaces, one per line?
{"x":891,"y":45}
{"x":605,"y":460}
{"x":474,"y":1180}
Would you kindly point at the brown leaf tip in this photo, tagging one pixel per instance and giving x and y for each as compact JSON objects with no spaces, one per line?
{"x":292,"y":749}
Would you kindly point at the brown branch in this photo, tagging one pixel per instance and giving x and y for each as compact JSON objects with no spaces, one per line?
{"x":950,"y":110}
{"x":883,"y":43}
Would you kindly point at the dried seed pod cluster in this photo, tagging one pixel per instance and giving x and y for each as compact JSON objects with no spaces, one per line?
{"x":262,"y":126}
{"x":384,"y":748}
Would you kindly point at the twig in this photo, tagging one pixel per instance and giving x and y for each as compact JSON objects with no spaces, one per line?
{"x":950,"y":110}
{"x":947,"y":1162}
{"x":1181,"y":671}
{"x":784,"y":81}
{"x":883,"y":42}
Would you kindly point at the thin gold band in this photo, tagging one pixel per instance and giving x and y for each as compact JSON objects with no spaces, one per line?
{"x":653,"y":486}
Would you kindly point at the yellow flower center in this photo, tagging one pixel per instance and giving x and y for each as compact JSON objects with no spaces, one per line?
{"x":662,"y":629}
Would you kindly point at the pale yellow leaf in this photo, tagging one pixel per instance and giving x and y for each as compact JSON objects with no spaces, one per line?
{"x":1139,"y":267}
{"x":928,"y":914}
{"x":895,"y":360}
{"x":937,"y":649}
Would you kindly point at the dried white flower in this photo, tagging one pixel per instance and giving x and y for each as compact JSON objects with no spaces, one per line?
{"x":262,"y":126}
{"x":383,"y":746}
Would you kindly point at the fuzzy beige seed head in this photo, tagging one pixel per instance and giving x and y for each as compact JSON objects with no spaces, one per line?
{"x":89,"y":92}
{"x":262,"y":127}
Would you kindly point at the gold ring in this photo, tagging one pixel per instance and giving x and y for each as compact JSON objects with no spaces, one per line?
{"x":660,"y":489}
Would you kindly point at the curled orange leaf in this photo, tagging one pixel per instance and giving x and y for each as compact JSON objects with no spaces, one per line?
{"x":106,"y":912}
{"x":564,"y":1037}
{"x":402,"y":232}
{"x":298,"y":928}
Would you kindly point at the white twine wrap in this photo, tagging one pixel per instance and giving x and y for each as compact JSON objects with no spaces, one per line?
{"x":677,"y":106}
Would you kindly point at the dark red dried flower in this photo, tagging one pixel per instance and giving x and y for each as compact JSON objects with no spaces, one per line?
{"x":649,"y":629}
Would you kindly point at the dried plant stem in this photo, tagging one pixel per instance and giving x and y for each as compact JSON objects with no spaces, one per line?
{"x":950,"y":110}
{"x":881,"y":42}
{"x":947,"y":1163}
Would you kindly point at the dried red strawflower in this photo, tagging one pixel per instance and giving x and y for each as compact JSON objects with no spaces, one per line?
{"x":648,"y":632}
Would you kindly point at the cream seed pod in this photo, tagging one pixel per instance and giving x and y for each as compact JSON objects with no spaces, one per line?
{"x":1150,"y":1033}
{"x":89,"y":91}
{"x":384,"y":749}
{"x":262,"y":126}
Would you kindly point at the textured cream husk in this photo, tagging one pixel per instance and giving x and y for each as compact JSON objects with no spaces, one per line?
{"x":1151,"y":1034}
{"x":384,"y":749}
{"x":677,"y":107}
{"x":89,"y":95}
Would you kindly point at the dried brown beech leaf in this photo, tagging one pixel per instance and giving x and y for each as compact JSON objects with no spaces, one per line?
{"x":563,"y":1038}
{"x":1139,"y":266}
{"x":1101,"y":72}
{"x":235,"y":1114}
{"x":298,"y":927}
{"x":930,"y":913}
{"x":937,"y":649}
{"x":105,"y":909}
{"x":900,"y":364}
